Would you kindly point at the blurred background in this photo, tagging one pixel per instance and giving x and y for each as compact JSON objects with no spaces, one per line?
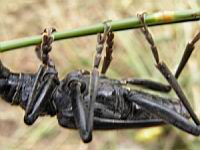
{"x":132,"y":58}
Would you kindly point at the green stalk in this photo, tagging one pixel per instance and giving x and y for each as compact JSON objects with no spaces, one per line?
{"x":160,"y":18}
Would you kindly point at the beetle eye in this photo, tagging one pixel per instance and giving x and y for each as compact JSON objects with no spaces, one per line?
{"x":83,"y":85}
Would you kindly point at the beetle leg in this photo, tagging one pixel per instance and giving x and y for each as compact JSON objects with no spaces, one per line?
{"x":38,"y":51}
{"x":106,"y":123}
{"x":39,"y":98}
{"x":162,"y":67}
{"x":45,"y":81}
{"x":79,"y":111}
{"x":149,"y":84}
{"x":94,"y":77}
{"x":45,"y":47}
{"x":32,"y":95}
{"x":187,"y":53}
{"x":164,"y":112}
{"x":109,"y":49}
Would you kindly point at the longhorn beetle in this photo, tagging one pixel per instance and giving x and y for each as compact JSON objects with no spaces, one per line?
{"x":89,"y":100}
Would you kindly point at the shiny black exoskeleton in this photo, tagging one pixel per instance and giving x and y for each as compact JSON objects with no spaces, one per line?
{"x":89,"y":100}
{"x":114,"y":107}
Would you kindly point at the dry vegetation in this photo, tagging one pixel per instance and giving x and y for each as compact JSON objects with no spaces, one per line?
{"x":132,"y":57}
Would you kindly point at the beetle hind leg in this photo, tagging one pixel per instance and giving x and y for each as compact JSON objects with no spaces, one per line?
{"x":165,"y":71}
{"x":187,"y":53}
{"x":164,"y":112}
{"x":148,"y":84}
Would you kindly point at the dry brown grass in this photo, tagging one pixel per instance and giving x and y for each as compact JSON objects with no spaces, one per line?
{"x":131,"y":58}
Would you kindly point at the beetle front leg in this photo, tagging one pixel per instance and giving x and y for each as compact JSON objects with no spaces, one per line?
{"x":45,"y":82}
{"x":42,"y":50}
{"x":40,"y":96}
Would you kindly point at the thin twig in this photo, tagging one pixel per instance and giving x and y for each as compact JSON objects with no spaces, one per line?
{"x":160,"y":18}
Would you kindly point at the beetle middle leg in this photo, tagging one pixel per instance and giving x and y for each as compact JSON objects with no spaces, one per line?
{"x":84,"y":117}
{"x":149,"y":84}
{"x":162,"y":67}
{"x":94,"y":77}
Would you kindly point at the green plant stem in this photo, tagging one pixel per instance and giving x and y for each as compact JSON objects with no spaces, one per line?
{"x":160,"y":18}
